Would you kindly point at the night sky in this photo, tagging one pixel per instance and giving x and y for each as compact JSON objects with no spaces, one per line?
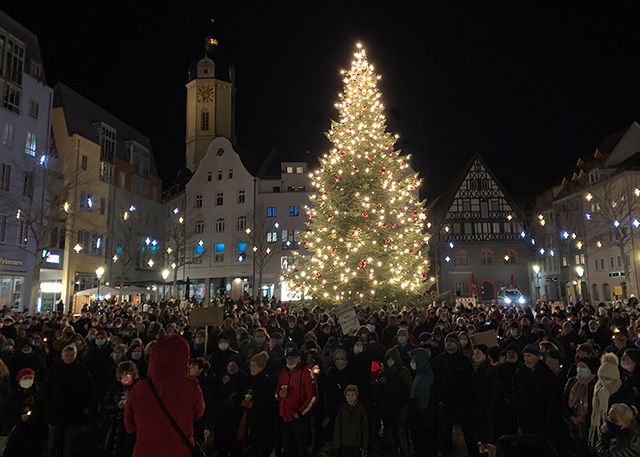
{"x":529,"y":88}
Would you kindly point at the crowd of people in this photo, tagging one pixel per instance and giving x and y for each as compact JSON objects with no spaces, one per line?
{"x":273,"y":379}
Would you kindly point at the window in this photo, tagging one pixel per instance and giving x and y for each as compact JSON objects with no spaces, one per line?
{"x":289,"y":169}
{"x":594,"y":176}
{"x":219,"y":175}
{"x":219,"y":199}
{"x":106,"y":172}
{"x":198,"y":201}
{"x":140,"y":159}
{"x":594,"y":292}
{"x":107,"y":138}
{"x":5,"y":176}
{"x":209,"y":176}
{"x":199,"y":227}
{"x":3,"y":229}
{"x":230,"y":175}
{"x":462,"y":289}
{"x":14,"y":63}
{"x":486,"y":257}
{"x":619,"y":259}
{"x":241,"y":251}
{"x":272,"y":237}
{"x":103,"y":206}
{"x":612,"y":263}
{"x":86,"y":201}
{"x":602,"y":263}
{"x":204,"y":120}
{"x":276,"y":189}
{"x":220,"y":224}
{"x":31,"y":144}
{"x":294,"y":211}
{"x":299,"y":170}
{"x":8,"y":134}
{"x":286,"y":262}
{"x":241,"y":196}
{"x":34,"y":108}
{"x":242,"y":222}
{"x":606,"y":291}
{"x":596,"y":264}
{"x":84,"y":162}
{"x":272,"y":211}
{"x":291,"y":189}
{"x":83,"y":238}
{"x":219,"y":252}
{"x":11,"y":98}
{"x":96,"y":244}
{"x":220,"y":151}
{"x":23,"y":233}
{"x":461,"y":259}
{"x":27,"y":185}
{"x":36,"y":70}
{"x":290,"y":239}
{"x":302,"y":188}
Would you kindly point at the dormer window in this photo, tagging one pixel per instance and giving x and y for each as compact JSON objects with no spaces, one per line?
{"x":107,"y":138}
{"x":594,"y":176}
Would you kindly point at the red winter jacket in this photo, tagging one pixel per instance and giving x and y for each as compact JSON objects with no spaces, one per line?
{"x":168,"y":369}
{"x":302,"y":392}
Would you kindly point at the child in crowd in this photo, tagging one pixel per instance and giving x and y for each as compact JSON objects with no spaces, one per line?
{"x":350,"y":431}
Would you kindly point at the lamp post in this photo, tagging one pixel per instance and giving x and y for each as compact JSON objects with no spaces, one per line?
{"x":165,"y":275}
{"x":99,"y":273}
{"x":580,"y":272}
{"x":536,"y":270}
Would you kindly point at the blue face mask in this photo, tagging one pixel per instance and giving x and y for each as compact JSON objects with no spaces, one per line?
{"x":614,"y":428}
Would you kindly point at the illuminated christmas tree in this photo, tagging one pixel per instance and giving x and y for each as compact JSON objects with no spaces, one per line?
{"x":365,"y":230}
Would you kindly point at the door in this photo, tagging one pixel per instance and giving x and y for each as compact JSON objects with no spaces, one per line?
{"x":486,"y":291}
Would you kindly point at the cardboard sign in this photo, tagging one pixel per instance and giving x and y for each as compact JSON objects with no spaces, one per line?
{"x":617,"y":291}
{"x":206,"y":316}
{"x":347,"y":318}
{"x":488,"y":338}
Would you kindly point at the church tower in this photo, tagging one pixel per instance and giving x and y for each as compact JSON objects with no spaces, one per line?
{"x":209,"y":111}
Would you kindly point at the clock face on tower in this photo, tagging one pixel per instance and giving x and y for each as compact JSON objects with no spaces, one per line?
{"x":205,"y":94}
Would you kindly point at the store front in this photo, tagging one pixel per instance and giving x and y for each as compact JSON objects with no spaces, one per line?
{"x":11,"y":290}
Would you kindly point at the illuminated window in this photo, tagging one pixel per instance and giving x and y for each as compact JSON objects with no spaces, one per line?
{"x":486,"y":257}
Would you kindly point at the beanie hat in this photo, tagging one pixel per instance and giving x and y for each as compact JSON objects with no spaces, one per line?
{"x":452,"y":337}
{"x":351,"y":388}
{"x":633,"y":354}
{"x":261,"y":359}
{"x":609,"y":367}
{"x":25,"y":372}
{"x":591,"y":362}
{"x":424,"y":337}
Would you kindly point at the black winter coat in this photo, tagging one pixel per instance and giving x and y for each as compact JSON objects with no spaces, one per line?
{"x":453,"y":381}
{"x":117,"y":443}
{"x":351,"y":427}
{"x":67,"y":391}
{"x":263,"y":413}
{"x":486,"y":395}
{"x":334,"y":385}
{"x":26,"y":439}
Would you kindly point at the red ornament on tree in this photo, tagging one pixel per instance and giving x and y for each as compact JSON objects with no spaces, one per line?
{"x":423,"y":274}
{"x":383,"y":171}
{"x":414,"y":213}
{"x":383,"y":225}
{"x":355,"y":169}
{"x":330,"y":217}
{"x":342,"y":153}
{"x":387,"y":240}
{"x":336,"y":177}
{"x":362,"y":264}
{"x":378,"y":205}
{"x":318,"y":275}
{"x":365,"y":214}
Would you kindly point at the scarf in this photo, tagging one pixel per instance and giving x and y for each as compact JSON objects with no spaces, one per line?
{"x":578,"y":396}
{"x":600,"y":406}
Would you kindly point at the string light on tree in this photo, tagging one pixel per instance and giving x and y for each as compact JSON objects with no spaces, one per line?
{"x":364,"y":237}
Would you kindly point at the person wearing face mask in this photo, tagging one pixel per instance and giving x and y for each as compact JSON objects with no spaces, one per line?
{"x":26,"y":357}
{"x":620,"y":436}
{"x":452,"y":393}
{"x":466,"y":348}
{"x":421,"y":409}
{"x":198,"y":345}
{"x":515,"y":338}
{"x":117,"y":442}
{"x":259,"y":343}
{"x":620,"y":342}
{"x":404,"y":346}
{"x":136,"y":355}
{"x":297,"y":394}
{"x":100,"y":364}
{"x":221,"y":356}
{"x":230,"y":393}
{"x":486,"y":386}
{"x":577,"y":403}
{"x":22,"y":414}
{"x":536,"y":395}
{"x":392,"y":397}
{"x":507,"y":423}
{"x":339,"y":376}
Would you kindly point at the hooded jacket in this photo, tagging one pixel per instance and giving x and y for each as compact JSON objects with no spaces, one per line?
{"x":394,"y":386}
{"x":168,"y":369}
{"x":421,"y":387}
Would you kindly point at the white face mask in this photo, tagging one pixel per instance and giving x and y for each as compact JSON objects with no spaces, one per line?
{"x":357,"y":349}
{"x":223,"y":346}
{"x":26,"y":383}
{"x":413,"y":365}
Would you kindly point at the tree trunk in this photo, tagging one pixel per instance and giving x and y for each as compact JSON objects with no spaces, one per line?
{"x":175,"y":283}
{"x":35,"y":288}
{"x":627,"y":277}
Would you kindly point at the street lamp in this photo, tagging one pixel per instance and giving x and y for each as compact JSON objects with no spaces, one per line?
{"x":165,"y":275}
{"x":99,"y":273}
{"x":580,"y":272}
{"x":536,"y":270}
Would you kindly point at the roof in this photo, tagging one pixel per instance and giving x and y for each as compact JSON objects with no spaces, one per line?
{"x":30,"y":40}
{"x":81,"y":115}
{"x":442,"y":203}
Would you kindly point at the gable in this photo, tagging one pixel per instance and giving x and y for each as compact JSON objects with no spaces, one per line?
{"x":628,"y":145}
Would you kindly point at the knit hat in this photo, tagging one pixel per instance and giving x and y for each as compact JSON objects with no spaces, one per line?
{"x":25,"y":372}
{"x":531,"y":349}
{"x":260,"y":359}
{"x":424,"y":337}
{"x":591,"y":362}
{"x":609,"y":367}
{"x":452,"y":337}
{"x":351,"y":388}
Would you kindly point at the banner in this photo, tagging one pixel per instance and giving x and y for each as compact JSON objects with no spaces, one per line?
{"x":488,"y":338}
{"x":347,"y":318}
